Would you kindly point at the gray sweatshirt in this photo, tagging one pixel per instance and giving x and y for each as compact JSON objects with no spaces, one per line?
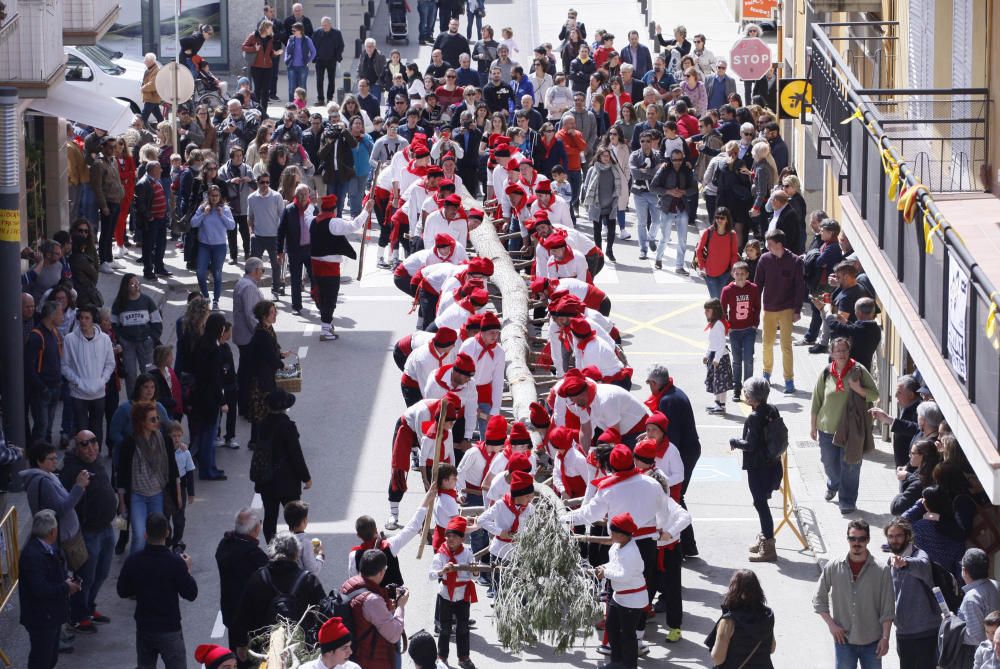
{"x":45,"y":491}
{"x":264,"y":212}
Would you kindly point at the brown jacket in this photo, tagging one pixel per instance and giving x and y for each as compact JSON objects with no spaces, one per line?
{"x":105,"y":182}
{"x":78,"y":171}
{"x":855,"y":430}
{"x":148,"y":89}
{"x":266,"y":52}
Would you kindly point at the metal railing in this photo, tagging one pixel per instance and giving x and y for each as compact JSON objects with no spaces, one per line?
{"x":9,"y":556}
{"x":857,"y":149}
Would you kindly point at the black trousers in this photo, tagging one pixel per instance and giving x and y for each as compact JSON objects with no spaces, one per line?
{"x":327,"y":290}
{"x":669,"y":585}
{"x":326,"y":70}
{"x":262,"y":83}
{"x":595,"y":263}
{"x":44,"y":651}
{"x":244,"y":236}
{"x":399,"y":357}
{"x":605,"y":308}
{"x":231,"y":395}
{"x":647,"y":549}
{"x":448,"y":613}
{"x":272,"y":505}
{"x":297,"y":261}
{"x":411,"y":395}
{"x":917,"y":652}
{"x":688,"y":543}
{"x":609,"y":223}
{"x":244,"y":373}
{"x":428,"y":308}
{"x":621,"y":626}
{"x":402,"y":281}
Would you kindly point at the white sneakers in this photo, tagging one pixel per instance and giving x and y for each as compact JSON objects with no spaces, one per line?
{"x":106,"y":268}
{"x":326,"y":333}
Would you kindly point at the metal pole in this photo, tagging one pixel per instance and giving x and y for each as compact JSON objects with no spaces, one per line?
{"x":781,"y":64}
{"x":338,"y":14}
{"x":177,"y":67}
{"x":11,"y":345}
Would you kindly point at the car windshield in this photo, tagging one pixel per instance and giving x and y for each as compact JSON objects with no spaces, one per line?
{"x":100,"y":59}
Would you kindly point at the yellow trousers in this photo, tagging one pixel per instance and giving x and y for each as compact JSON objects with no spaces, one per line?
{"x":774,"y":321}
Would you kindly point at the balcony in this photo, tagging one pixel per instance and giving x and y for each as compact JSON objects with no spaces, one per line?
{"x":86,"y":21}
{"x":31,"y":55}
{"x":934,"y":275}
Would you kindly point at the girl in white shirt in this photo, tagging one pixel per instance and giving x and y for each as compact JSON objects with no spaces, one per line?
{"x":719,"y":369}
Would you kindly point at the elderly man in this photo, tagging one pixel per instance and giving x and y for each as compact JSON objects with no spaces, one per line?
{"x":27,"y":315}
{"x":864,"y":332}
{"x":150,"y":98}
{"x":293,"y":237}
{"x":298,"y":16}
{"x":150,"y":206}
{"x":466,"y":76}
{"x":719,"y":85}
{"x":904,"y":428}
{"x":237,"y":128}
{"x":95,"y":510}
{"x":246,"y":295}
{"x":238,"y":557}
{"x":371,"y":67}
{"x":45,"y":591}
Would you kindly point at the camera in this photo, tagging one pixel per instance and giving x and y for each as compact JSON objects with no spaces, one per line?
{"x":395,"y":591}
{"x":180,"y":548}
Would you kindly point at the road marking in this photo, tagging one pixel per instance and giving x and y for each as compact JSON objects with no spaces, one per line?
{"x":380,"y":298}
{"x":670,"y":297}
{"x":727,"y":520}
{"x":256,"y":502}
{"x":218,"y":629}
{"x":308,"y":329}
{"x":630,"y":352}
{"x":303,"y":352}
{"x":645,"y":325}
{"x":608,"y":276}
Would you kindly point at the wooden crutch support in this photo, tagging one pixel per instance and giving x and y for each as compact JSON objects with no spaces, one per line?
{"x":438,"y":440}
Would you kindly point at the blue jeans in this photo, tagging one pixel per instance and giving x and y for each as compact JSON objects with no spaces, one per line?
{"x":478,"y":539}
{"x":214,"y":255}
{"x":338,"y":188}
{"x":154,"y":245}
{"x":204,"y":443}
{"x":484,"y":407}
{"x":742,"y":342}
{"x":356,"y":191}
{"x":621,"y":220}
{"x":645,"y":207}
{"x":88,"y":205}
{"x":840,"y":476}
{"x":42,"y":403}
{"x":140,"y":506}
{"x":469,"y":18}
{"x":151,"y":109}
{"x":68,"y":427}
{"x":575,"y":178}
{"x":515,"y":243}
{"x":298,"y":77}
{"x":716,"y":284}
{"x":100,"y":550}
{"x":849,"y":655}
{"x":666,"y":224}
{"x":427,"y":12}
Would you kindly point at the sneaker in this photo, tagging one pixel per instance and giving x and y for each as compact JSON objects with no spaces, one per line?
{"x":163,"y":271}
{"x":830,"y":494}
{"x":117,"y":265}
{"x":215,"y":305}
{"x":681,"y":271}
{"x":296,"y":312}
{"x":717,"y":410}
{"x":643,"y":647}
{"x":231,"y":443}
{"x":625,"y":235}
{"x":643,"y":256}
{"x":392,"y":522}
{"x":845,"y":510}
{"x":736,"y":396}
{"x":818,"y":348}
{"x":789,"y":387}
{"x":382,"y":264}
{"x":219,"y":441}
{"x":84,"y":627}
{"x":106,"y":268}
{"x":673,"y":635}
{"x":804,"y":341}
{"x":604,"y":649}
{"x":99,"y":618}
{"x":652,"y":244}
{"x":657,"y":265}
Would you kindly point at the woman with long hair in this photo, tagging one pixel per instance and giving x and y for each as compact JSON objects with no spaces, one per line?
{"x":732,"y":182}
{"x":916,"y":476}
{"x":764,"y":174}
{"x":189,"y":329}
{"x":126,"y":172}
{"x":694,"y":89}
{"x":350,"y":109}
{"x":627,"y":121}
{"x":717,"y":251}
{"x":266,"y":358}
{"x":207,"y":398}
{"x":137,"y":325}
{"x":542,"y":81}
{"x":571,"y":49}
{"x":616,"y":142}
{"x":290,"y":179}
{"x":253,"y":148}
{"x":212,"y":220}
{"x":615,"y":99}
{"x":600,"y":197}
{"x":744,"y":636}
{"x":277,"y":160}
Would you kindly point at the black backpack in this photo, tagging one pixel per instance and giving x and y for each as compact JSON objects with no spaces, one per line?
{"x":811,"y":268}
{"x":338,"y":604}
{"x":284,"y":604}
{"x":951,"y":634}
{"x":776,"y":438}
{"x":948,"y":584}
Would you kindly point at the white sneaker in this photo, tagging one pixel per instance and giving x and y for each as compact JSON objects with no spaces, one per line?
{"x":392,"y":523}
{"x":605,"y":649}
{"x":106,"y":268}
{"x":119,"y":252}
{"x":643,"y":647}
{"x":327,"y":334}
{"x":625,"y":235}
{"x":118,"y":265}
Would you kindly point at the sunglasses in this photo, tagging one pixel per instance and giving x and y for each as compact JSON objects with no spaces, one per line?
{"x":153,"y":419}
{"x":87,"y":442}
{"x":449,"y":76}
{"x":857,"y":540}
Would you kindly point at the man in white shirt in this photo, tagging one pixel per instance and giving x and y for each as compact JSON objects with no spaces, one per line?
{"x":629,"y":597}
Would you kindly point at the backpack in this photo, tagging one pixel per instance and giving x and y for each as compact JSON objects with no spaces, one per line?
{"x":284,"y":604}
{"x":775,"y":438}
{"x":810,"y":267}
{"x":338,"y":604}
{"x":949,"y":643}
{"x":946,"y":581}
{"x":261,"y":462}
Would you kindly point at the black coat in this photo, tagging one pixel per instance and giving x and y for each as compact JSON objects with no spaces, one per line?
{"x":329,"y":45}
{"x":99,"y":504}
{"x":579,"y":74}
{"x":43,"y":593}
{"x":288,"y":464}
{"x":123,"y":473}
{"x":452,"y":46}
{"x":238,"y":557}
{"x":341,"y":148}
{"x":207,"y":395}
{"x":307,"y":26}
{"x":753,"y":443}
{"x":253,"y":610}
{"x":266,"y":356}
{"x":289,"y":230}
{"x":682,"y":430}
{"x":156,"y":576}
{"x":794,"y":228}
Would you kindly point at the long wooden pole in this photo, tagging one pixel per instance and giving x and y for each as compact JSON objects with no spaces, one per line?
{"x":438,"y":440}
{"x":788,"y":505}
{"x":368,"y":224}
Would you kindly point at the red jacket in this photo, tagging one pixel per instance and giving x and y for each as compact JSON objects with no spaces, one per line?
{"x":575,"y":145}
{"x":722,"y":252}
{"x":373,"y":650}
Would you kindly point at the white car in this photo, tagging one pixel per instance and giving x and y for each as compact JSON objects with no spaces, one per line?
{"x":90,"y":69}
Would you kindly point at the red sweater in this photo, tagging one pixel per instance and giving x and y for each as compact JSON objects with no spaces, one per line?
{"x":741,"y":306}
{"x":722,"y":252}
{"x":575,"y":144}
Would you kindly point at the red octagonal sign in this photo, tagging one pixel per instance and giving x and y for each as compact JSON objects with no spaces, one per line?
{"x":750,"y":58}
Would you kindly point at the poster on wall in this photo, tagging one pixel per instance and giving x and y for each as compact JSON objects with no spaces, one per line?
{"x":126,"y":33}
{"x":958,"y":316}
{"x":192,"y":14}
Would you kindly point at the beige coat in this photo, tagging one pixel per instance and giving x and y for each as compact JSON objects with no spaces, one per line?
{"x":148,"y":89}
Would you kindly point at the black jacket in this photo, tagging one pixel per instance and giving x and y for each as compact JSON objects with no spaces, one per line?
{"x":253,"y":611}
{"x":452,"y":46}
{"x":911,"y":489}
{"x":142,"y":204}
{"x":794,"y":228}
{"x":340,"y":147}
{"x":373,"y":68}
{"x":289,"y":230}
{"x":238,"y":557}
{"x":904,"y":428}
{"x":156,"y":577}
{"x":99,"y":504}
{"x":266,"y":356}
{"x":307,"y":26}
{"x":681,"y":430}
{"x":865,"y":337}
{"x":123,"y":473}
{"x":753,"y":443}
{"x":164,"y":396}
{"x":310,"y":142}
{"x":43,"y":593}
{"x":329,"y":45}
{"x":579,"y":74}
{"x":750,"y":646}
{"x":288,"y":464}
{"x":207,"y":395}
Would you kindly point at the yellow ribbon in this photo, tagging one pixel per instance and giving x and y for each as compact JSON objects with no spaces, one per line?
{"x":991,"y":320}
{"x":891,"y":169}
{"x":856,"y":115}
{"x":929,"y":231}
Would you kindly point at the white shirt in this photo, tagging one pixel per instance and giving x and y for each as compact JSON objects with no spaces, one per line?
{"x":489,"y":369}
{"x":472,"y":471}
{"x":597,"y":322}
{"x":639,"y":495}
{"x":599,"y":353}
{"x":574,"y":239}
{"x":624,"y":570}
{"x":575,"y":267}
{"x":498,"y":519}
{"x":716,"y":341}
{"x":463,"y":581}
{"x":419,"y":260}
{"x":455,"y":316}
{"x":439,"y":383}
{"x":423,"y":362}
{"x":318,"y":664}
{"x":613,"y":406}
{"x":397,"y":541}
{"x":445,"y":508}
{"x":435,"y":276}
{"x":572,"y":463}
{"x":557,"y":211}
{"x":414,"y":418}
{"x":773,"y":223}
{"x":436,"y":223}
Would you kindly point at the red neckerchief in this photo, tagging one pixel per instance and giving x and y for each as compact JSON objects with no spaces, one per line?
{"x":561,"y":459}
{"x":487,"y":457}
{"x":567,"y":257}
{"x":518,"y":208}
{"x":444,"y":258}
{"x":591,"y":394}
{"x":440,"y":374}
{"x":653,"y":401}
{"x":839,"y":378}
{"x":450,"y":493}
{"x":530,"y":184}
{"x":514,"y":509}
{"x":542,"y":207}
{"x":416,"y":170}
{"x":377,"y":542}
{"x":451,"y":580}
{"x":429,"y":428}
{"x":434,"y":354}
{"x":468,"y":305}
{"x":566,"y":338}
{"x":615,"y":478}
{"x":725,"y":324}
{"x":581,"y":342}
{"x":662,"y":447}
{"x":486,"y":349}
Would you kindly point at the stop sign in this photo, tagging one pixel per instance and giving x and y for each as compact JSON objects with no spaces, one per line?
{"x":750,"y":58}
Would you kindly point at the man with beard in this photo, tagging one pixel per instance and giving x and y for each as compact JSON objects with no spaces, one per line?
{"x":917,"y":616}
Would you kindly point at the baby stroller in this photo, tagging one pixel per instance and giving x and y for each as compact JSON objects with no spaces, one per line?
{"x":398,"y":30}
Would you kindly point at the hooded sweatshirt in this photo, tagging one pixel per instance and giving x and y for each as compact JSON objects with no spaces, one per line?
{"x":46,"y":492}
{"x":87,"y":363}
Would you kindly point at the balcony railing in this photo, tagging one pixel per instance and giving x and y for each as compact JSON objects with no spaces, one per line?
{"x":947,"y":156}
{"x":31,"y":56}
{"x":86,"y":21}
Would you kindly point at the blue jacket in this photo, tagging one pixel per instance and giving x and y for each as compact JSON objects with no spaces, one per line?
{"x":644,"y":62}
{"x":520,"y":89}
{"x":299,"y":51}
{"x":156,"y":577}
{"x":362,"y":153}
{"x":43,"y":594}
{"x":212,"y":226}
{"x":682,"y":431}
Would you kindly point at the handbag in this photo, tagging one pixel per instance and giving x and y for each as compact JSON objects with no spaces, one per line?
{"x":75,"y":550}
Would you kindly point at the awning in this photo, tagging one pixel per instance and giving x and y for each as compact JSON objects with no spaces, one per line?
{"x":69,"y":102}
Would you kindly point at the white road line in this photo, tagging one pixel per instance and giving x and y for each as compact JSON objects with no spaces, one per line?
{"x":218,"y":629}
{"x":607,"y":277}
{"x":665,"y":297}
{"x":303,"y":352}
{"x":308,"y":330}
{"x":256,"y":502}
{"x":379,"y":298}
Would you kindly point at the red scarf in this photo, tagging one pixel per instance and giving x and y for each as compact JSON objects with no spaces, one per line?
{"x":468,"y":305}
{"x":581,"y":342}
{"x":439,"y":377}
{"x":839,"y":378}
{"x":653,"y":401}
{"x":567,"y":257}
{"x":417,"y":170}
{"x":514,"y":509}
{"x":615,"y":478}
{"x":488,"y":458}
{"x":429,"y":428}
{"x":724,"y":322}
{"x":434,"y":354}
{"x":574,"y":486}
{"x":542,"y":207}
{"x":451,"y":580}
{"x":487,"y":349}
{"x":661,"y":448}
{"x":446,"y":258}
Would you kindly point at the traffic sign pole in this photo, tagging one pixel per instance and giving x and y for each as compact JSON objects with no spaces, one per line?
{"x":777,"y":70}
{"x":177,"y":61}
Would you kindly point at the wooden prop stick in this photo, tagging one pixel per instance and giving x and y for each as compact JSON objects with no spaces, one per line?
{"x":788,"y":507}
{"x":438,"y":440}
{"x":592,"y":539}
{"x":368,"y":225}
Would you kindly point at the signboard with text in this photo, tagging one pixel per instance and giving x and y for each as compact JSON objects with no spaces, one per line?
{"x":756,"y":10}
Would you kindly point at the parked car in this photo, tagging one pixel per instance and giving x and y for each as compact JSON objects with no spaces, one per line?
{"x":92,"y":70}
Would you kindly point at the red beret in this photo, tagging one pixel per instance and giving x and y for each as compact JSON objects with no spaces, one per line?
{"x":465,"y":364}
{"x":454,"y":405}
{"x":434,"y":171}
{"x":511,"y":164}
{"x":519,"y":433}
{"x":555,"y":240}
{"x":538,"y":416}
{"x":445,"y":337}
{"x":592,"y":372}
{"x":526,"y":161}
{"x":333,"y":634}
{"x":519,"y":461}
{"x":543,"y":186}
{"x":580,"y":327}
{"x":212,"y":655}
{"x":479,"y":297}
{"x":496,"y":429}
{"x":521,"y":483}
{"x":420,"y":137}
{"x":445,"y":182}
{"x":567,"y":306}
{"x":443,"y":239}
{"x":621,"y":459}
{"x":538,"y":284}
{"x":659,"y":420}
{"x":420,"y":151}
{"x":513,"y":189}
{"x":562,"y":437}
{"x":448,"y":156}
{"x":453,"y":200}
{"x":457,"y":525}
{"x":481,"y":265}
{"x":541,"y":216}
{"x":474,"y":322}
{"x":572,"y":384}
{"x":476,"y":213}
{"x":328,"y":202}
{"x":490,"y":321}
{"x":624,"y":523}
{"x":610,"y":436}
